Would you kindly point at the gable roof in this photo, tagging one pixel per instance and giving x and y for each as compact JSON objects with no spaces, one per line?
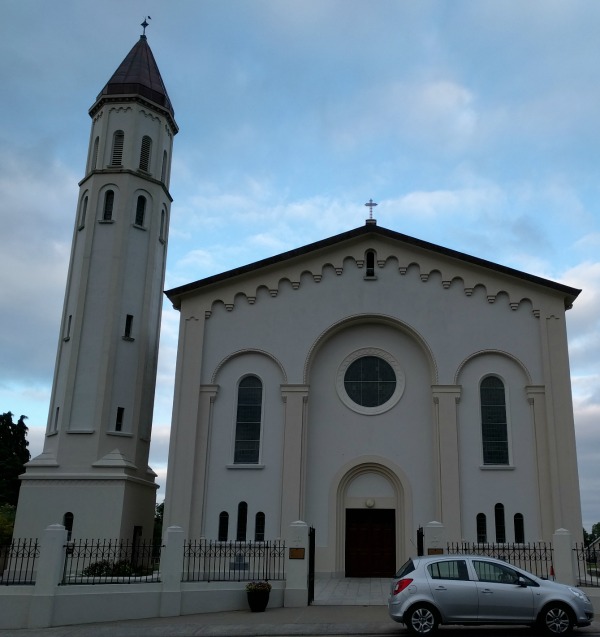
{"x":370,"y":229}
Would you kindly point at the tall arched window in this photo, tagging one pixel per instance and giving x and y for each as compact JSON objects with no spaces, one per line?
{"x":248,"y":421}
{"x":242,"y":522}
{"x":481,"y":528}
{"x":223,"y":526}
{"x":370,"y":258}
{"x":494,"y":428}
{"x":519,"y":522}
{"x":145,"y":153}
{"x":109,"y":202}
{"x":140,"y":211}
{"x":117,"y":149}
{"x":500,"y":525}
{"x":259,"y":527}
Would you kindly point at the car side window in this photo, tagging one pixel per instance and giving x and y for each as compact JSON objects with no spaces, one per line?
{"x":449,"y":569}
{"x":497,"y":573}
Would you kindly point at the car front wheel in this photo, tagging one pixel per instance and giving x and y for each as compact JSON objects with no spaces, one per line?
{"x":556,"y":619}
{"x":421,"y":620}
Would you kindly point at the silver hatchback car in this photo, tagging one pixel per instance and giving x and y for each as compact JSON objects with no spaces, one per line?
{"x":471,"y":589}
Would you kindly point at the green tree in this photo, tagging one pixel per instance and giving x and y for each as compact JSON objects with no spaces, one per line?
{"x":158,"y":522}
{"x":588,"y":538}
{"x":7,"y":522}
{"x":13,"y":456}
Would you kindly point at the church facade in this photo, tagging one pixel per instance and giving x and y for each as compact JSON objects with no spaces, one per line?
{"x":369,"y":384}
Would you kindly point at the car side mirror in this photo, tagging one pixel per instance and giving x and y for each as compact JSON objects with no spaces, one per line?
{"x":522,"y":582}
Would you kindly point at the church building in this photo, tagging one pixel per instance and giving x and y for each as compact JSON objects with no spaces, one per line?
{"x":367,"y":384}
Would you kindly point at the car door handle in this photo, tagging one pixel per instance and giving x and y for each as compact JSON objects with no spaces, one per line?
{"x":486,"y":591}
{"x":441,"y":588}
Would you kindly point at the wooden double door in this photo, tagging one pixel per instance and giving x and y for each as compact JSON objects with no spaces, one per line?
{"x":370,"y":542}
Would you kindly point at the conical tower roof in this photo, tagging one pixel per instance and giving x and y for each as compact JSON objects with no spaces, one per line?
{"x":137,"y":75}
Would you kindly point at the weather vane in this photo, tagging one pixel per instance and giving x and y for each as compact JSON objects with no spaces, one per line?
{"x":145,"y":23}
{"x":370,"y":204}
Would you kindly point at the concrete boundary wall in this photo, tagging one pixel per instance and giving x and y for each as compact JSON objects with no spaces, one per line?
{"x":48,"y":604}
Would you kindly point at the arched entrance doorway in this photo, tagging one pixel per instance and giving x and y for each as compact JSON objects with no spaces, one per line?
{"x":370,"y":521}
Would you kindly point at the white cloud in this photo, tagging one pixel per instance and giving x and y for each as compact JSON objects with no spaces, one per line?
{"x":33,"y":261}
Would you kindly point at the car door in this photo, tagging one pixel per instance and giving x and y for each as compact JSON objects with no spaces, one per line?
{"x":455,"y":595}
{"x":501,"y":594}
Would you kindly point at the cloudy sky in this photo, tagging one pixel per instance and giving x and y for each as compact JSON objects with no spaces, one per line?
{"x":473,"y":124}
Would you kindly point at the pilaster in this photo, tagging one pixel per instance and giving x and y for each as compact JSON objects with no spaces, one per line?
{"x":546,"y":457}
{"x":448,"y":509}
{"x":295,"y":398}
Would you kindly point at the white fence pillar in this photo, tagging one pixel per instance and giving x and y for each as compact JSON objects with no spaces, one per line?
{"x":49,"y":571}
{"x":296,"y":566}
{"x":564,"y":567}
{"x":171,"y":560}
{"x":434,"y":540}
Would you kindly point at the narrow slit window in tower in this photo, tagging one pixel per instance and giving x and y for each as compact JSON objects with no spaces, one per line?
{"x":119,"y":419}
{"x":128,"y":326}
{"x":67,"y":335}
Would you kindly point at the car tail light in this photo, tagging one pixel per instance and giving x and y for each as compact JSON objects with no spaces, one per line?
{"x":401,"y":584}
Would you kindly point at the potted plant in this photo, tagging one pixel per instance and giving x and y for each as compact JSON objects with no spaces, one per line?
{"x":258,"y":595}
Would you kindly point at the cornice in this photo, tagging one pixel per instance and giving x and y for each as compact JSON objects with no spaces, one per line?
{"x":126,"y":171}
{"x":494,"y":288}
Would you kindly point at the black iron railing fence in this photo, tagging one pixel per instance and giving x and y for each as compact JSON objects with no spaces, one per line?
{"x":111,"y":562}
{"x":210,"y":560}
{"x":535,"y":557}
{"x":587,"y":560}
{"x":18,"y":561}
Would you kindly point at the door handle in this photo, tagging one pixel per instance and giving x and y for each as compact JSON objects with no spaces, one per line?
{"x":486,"y":591}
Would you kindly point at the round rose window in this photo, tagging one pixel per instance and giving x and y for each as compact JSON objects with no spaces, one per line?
{"x":370,"y":381}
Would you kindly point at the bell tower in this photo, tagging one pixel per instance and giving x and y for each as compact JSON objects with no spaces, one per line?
{"x":93,"y":475}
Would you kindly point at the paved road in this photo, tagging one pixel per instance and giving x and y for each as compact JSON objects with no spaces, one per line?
{"x":318,"y":621}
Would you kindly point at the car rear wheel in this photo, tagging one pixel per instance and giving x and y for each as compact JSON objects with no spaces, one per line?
{"x":421,"y":619}
{"x":556,"y":619}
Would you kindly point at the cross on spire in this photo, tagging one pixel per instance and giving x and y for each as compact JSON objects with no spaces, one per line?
{"x":370,"y":204}
{"x":145,"y":24}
